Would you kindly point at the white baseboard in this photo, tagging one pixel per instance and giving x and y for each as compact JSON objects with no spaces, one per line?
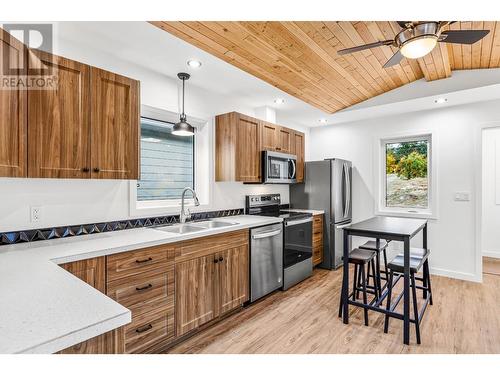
{"x":456,"y":275}
{"x":491,"y":254}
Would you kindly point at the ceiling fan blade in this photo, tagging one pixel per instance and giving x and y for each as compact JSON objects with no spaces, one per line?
{"x":403,"y":23}
{"x":365,"y":46}
{"x":463,"y":36}
{"x":394,"y":60}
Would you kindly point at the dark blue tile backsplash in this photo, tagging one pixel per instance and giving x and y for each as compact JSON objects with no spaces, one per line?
{"x":30,"y":235}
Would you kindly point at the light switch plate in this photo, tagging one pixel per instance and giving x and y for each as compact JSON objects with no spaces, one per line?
{"x":462,"y":197}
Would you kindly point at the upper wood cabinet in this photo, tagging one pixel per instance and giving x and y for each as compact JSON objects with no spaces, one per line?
{"x":269,"y":136}
{"x":86,"y":127}
{"x":59,"y":120}
{"x":298,"y":150}
{"x":276,"y":138}
{"x":240,"y":140}
{"x":114,"y":126}
{"x":13,"y":109}
{"x":237,"y":150}
{"x":285,"y":139}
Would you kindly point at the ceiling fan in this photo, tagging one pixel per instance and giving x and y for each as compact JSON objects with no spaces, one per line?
{"x":417,"y":39}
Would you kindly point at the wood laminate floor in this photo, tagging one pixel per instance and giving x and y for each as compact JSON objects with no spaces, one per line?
{"x":491,"y":266}
{"x":465,"y":318}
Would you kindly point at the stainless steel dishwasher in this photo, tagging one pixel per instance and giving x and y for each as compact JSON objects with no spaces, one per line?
{"x":266,"y":260}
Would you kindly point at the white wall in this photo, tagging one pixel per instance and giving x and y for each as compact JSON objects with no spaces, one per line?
{"x":452,"y":234}
{"x":65,"y":202}
{"x":491,"y":192}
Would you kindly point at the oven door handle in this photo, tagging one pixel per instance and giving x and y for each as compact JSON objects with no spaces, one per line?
{"x":266,"y":234}
{"x":297,"y":222}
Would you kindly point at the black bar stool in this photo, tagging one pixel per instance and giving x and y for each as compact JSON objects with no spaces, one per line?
{"x":372,"y":245}
{"x":418,"y":260}
{"x":361,"y":259}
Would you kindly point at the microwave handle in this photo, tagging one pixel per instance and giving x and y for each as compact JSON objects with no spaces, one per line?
{"x":294,"y":168}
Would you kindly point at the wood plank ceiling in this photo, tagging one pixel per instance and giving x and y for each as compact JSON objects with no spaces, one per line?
{"x":301,"y":58}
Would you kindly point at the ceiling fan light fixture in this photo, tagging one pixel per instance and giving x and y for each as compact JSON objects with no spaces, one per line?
{"x":419,"y":47}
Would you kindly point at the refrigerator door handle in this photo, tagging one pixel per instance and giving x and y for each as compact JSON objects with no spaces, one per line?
{"x":348,"y":195}
{"x":346,"y":190}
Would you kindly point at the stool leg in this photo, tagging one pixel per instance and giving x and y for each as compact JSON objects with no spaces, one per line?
{"x":385,"y":264}
{"x":389,"y":295}
{"x":415,"y":306}
{"x":379,"y":280}
{"x":376,"y":279}
{"x":365,"y":298}
{"x":341,"y":304}
{"x":424,"y":281}
{"x":358,"y":280}
{"x":354,"y":283}
{"x":426,"y":268}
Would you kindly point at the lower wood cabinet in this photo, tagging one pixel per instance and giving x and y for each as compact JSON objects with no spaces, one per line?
{"x":196,"y":304}
{"x":93,"y":272}
{"x":143,"y":281}
{"x":318,"y":242}
{"x":211,"y":285}
{"x":171,"y":290}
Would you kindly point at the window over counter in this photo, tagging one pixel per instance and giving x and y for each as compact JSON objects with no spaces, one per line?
{"x":406,"y":176}
{"x":167,"y":162}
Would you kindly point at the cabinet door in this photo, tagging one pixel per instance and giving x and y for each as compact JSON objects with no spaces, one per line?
{"x":114,"y":126}
{"x":298,"y":148}
{"x":233,"y":278}
{"x":248,"y":156}
{"x":59,"y":121}
{"x":92,"y":271}
{"x":270,"y":134}
{"x":13,"y":116}
{"x":195,"y":296}
{"x":285,"y":137}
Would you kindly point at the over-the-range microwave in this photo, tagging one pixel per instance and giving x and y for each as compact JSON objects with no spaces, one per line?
{"x":279,"y":168}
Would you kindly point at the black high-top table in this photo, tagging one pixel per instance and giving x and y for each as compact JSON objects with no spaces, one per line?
{"x":387,"y":228}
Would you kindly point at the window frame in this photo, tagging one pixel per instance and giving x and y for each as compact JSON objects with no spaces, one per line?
{"x":169,"y":202}
{"x":202,"y":150}
{"x":381,"y":182}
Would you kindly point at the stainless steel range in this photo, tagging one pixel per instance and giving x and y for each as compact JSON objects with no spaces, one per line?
{"x":297,"y":237}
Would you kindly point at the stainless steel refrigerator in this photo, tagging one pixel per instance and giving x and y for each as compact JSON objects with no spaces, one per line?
{"x":328,"y":187}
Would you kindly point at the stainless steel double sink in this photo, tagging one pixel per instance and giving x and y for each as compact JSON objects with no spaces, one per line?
{"x":194,"y":226}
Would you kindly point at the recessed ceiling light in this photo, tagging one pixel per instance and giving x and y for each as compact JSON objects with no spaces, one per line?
{"x":322,"y":120}
{"x":279,"y":100}
{"x":194,"y":63}
{"x":440,"y":100}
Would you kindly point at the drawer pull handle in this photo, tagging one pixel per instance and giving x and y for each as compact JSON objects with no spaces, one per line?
{"x":144,"y":287}
{"x":221,"y":259}
{"x":216,"y":261}
{"x":144,"y":329}
{"x":139,"y":261}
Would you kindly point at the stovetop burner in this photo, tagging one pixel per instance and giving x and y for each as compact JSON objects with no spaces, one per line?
{"x":269,"y":205}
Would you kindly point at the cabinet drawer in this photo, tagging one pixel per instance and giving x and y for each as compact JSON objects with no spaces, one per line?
{"x":145,"y":292}
{"x":148,"y":329}
{"x":209,"y":245}
{"x":138,"y":261}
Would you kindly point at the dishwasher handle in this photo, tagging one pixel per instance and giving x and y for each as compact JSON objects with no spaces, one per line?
{"x":271,"y":233}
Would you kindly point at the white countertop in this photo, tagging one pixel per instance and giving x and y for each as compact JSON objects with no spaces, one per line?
{"x":45,"y":309}
{"x":314,"y":212}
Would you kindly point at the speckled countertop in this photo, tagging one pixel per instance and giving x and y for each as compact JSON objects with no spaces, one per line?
{"x":45,"y":309}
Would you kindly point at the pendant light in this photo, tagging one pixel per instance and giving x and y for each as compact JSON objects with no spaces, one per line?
{"x":183,"y":128}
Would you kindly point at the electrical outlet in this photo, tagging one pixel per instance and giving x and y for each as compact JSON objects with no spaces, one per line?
{"x":36,"y":214}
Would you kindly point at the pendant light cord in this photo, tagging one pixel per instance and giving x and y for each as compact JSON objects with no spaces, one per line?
{"x":183,"y":114}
